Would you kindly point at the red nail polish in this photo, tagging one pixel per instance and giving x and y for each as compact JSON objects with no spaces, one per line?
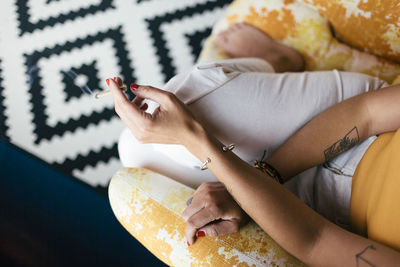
{"x":115,"y":79}
{"x":108,"y":82}
{"x":134,"y":86}
{"x":187,"y":242}
{"x":200,"y":234}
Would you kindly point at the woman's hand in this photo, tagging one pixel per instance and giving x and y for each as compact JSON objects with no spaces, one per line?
{"x":170,"y":123}
{"x":212,"y":212}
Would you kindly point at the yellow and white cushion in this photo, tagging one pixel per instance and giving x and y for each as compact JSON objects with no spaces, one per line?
{"x":303,"y":28}
{"x":149,"y":206}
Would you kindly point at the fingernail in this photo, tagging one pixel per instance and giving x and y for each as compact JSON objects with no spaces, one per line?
{"x":134,"y":86}
{"x":119,"y":81}
{"x":187,"y":242}
{"x":200,"y":234}
{"x":115,"y":79}
{"x":108,"y":82}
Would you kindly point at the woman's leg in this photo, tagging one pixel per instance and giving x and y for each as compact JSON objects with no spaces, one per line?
{"x":173,"y":160}
{"x":256,"y":111}
{"x":133,"y":154}
{"x":259,"y":111}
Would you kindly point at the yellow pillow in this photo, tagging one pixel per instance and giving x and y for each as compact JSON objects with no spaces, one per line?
{"x":367,"y":25}
{"x":301,"y":27}
{"x":150,"y":205}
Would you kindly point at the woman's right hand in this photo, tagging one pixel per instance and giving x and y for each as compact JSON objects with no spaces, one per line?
{"x":212,"y":212}
{"x":170,"y":123}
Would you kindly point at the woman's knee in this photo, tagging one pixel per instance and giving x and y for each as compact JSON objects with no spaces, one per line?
{"x":357,"y":83}
{"x":131,"y":152}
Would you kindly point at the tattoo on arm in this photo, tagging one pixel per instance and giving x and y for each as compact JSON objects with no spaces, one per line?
{"x":360,"y":257}
{"x":347,"y":142}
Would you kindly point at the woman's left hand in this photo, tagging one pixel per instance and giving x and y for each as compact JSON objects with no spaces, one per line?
{"x":170,"y":123}
{"x":212,"y":212}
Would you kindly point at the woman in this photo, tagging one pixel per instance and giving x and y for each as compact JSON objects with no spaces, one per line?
{"x":296,"y":227}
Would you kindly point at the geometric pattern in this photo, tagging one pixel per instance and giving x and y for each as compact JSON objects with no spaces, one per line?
{"x":156,"y":26}
{"x":31,"y":20}
{"x":46,"y":130}
{"x":197,"y":39}
{"x":77,"y":78}
{"x":55,"y":49}
{"x":3,"y":126}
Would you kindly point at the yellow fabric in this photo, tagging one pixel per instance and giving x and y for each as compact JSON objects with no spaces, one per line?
{"x":367,"y":25}
{"x":375,"y":197}
{"x":397,"y":80}
{"x":303,"y":28}
{"x":150,"y":205}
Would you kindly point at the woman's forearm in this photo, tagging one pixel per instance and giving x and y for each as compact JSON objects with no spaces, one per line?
{"x":292,"y":224}
{"x":338,"y":129}
{"x":278,"y":212}
{"x":326,"y":136}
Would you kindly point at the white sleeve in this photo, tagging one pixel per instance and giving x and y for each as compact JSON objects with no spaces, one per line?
{"x":205,"y":77}
{"x":245,"y":65}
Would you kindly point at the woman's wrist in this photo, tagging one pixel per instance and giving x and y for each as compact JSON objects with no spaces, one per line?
{"x":199,"y":142}
{"x":195,"y":134}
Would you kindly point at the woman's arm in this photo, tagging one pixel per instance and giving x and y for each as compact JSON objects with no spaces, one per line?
{"x":311,"y":238}
{"x":292,"y":224}
{"x":338,"y":129}
{"x":295,"y":226}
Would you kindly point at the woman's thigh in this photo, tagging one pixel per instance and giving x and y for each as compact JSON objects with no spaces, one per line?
{"x":256,"y":111}
{"x":259,"y":111}
{"x":168,"y":160}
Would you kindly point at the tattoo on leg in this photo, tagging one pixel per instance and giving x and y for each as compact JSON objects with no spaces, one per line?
{"x":360,"y":257}
{"x":347,"y":142}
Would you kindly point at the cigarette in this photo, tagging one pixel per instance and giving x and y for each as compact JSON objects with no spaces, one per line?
{"x":108,"y":92}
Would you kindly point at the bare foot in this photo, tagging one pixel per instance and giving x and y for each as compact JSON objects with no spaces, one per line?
{"x":244,"y":40}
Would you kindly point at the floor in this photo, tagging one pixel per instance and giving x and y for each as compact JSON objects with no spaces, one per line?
{"x":49,"y":219}
{"x":52,"y":51}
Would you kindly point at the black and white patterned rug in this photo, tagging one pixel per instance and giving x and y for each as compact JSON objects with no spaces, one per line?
{"x":50,"y":49}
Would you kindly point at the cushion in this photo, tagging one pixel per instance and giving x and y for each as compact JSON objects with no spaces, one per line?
{"x":303,"y":28}
{"x":372,"y":26}
{"x":149,"y":206}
